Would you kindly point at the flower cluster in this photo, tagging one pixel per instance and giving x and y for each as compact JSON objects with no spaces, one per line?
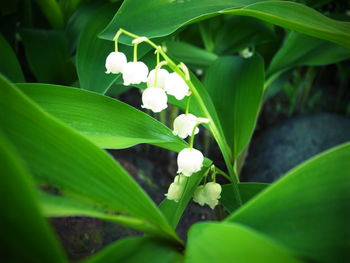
{"x":160,"y":83}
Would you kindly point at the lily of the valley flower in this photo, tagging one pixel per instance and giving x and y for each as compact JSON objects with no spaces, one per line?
{"x":135,"y":73}
{"x":154,"y":99}
{"x":115,"y":62}
{"x":176,"y":86}
{"x":212,"y":190}
{"x":208,"y":194}
{"x":162,"y":75}
{"x":176,"y":188}
{"x":184,"y":124}
{"x":199,"y":195}
{"x":189,"y":161}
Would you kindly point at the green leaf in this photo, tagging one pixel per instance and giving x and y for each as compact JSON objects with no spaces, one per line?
{"x":173,"y":210}
{"x":48,"y":55}
{"x":223,"y":242}
{"x":58,"y":155}
{"x":235,"y":85}
{"x":138,"y":16}
{"x":79,"y":19}
{"x":65,"y":206}
{"x":307,"y":210}
{"x":235,"y":33}
{"x":107,"y":122}
{"x":92,"y":53}
{"x":135,"y":250}
{"x":299,"y":50}
{"x":247,"y":191}
{"x":300,"y":18}
{"x":25,"y":235}
{"x":190,"y":54}
{"x":9,"y":65}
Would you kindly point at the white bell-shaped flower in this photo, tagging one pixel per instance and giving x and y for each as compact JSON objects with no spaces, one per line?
{"x":154,"y":99}
{"x":199,"y":195}
{"x":212,"y":191}
{"x":184,"y":124}
{"x":135,"y":73}
{"x":176,"y":188}
{"x":115,"y":62}
{"x":176,"y":86}
{"x":189,"y":161}
{"x":161,"y":78}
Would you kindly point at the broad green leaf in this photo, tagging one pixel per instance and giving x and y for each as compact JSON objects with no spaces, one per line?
{"x":247,"y":191}
{"x":307,"y":210}
{"x":25,"y":235}
{"x":136,"y":250}
{"x":173,"y":210}
{"x":9,"y":65}
{"x":58,"y":155}
{"x":235,"y":33}
{"x":92,"y":53}
{"x":190,"y":54}
{"x":235,"y":85}
{"x":79,"y":19}
{"x":138,"y":16}
{"x":65,"y":206}
{"x":224,"y":242}
{"x":299,"y":49}
{"x":300,"y":18}
{"x":107,"y":122}
{"x":47,"y":53}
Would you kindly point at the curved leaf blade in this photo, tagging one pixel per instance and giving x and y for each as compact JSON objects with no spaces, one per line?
{"x":9,"y":65}
{"x":135,"y":250}
{"x":58,"y":155}
{"x":223,"y":242}
{"x":299,"y":49}
{"x":18,"y":200}
{"x":107,"y":122}
{"x":138,"y":16}
{"x":236,"y":86}
{"x":300,"y":18}
{"x":307,"y":210}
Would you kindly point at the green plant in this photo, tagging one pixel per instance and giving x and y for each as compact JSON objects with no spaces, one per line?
{"x":56,"y":135}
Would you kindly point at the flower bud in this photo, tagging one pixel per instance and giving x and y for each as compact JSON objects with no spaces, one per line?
{"x":154,"y":99}
{"x":161,"y":78}
{"x":115,"y":62}
{"x":184,"y":124}
{"x":212,"y":191}
{"x":199,"y":195}
{"x":176,"y":86}
{"x":189,"y":161}
{"x":135,"y":73}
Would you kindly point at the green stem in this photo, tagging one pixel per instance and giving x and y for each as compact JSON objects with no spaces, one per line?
{"x":192,"y":135}
{"x":188,"y":105}
{"x":135,"y":52}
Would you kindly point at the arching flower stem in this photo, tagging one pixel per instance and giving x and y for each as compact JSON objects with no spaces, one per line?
{"x":225,"y":149}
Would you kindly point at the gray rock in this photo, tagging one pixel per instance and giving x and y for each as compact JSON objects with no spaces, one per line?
{"x":289,"y":143}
